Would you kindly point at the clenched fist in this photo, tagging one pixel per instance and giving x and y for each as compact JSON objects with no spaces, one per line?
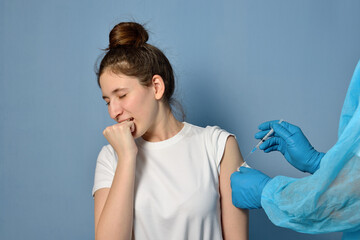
{"x":121,"y":139}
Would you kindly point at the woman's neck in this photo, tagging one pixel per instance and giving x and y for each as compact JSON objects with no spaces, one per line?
{"x":164,"y":128}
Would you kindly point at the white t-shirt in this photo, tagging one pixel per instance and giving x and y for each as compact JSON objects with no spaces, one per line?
{"x":177,"y":184}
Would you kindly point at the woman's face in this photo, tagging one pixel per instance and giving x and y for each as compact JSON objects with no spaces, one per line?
{"x":127,"y":99}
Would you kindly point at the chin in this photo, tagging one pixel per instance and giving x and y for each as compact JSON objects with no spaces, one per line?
{"x":136,"y":134}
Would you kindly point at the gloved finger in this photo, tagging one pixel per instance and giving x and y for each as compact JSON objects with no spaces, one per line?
{"x":281,"y":131}
{"x":290,"y":127}
{"x":271,"y":142}
{"x":245,"y":170}
{"x":272,"y":148}
{"x":261,"y":134}
{"x":267,"y":125}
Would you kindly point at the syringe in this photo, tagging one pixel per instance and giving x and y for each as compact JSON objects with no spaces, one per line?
{"x":260,"y":142}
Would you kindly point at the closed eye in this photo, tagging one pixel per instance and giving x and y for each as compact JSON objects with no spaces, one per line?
{"x":120,"y":97}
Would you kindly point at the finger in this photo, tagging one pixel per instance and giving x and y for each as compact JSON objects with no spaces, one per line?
{"x":281,"y":131}
{"x":124,"y":123}
{"x":106,"y":130}
{"x":245,"y":170}
{"x":132,"y":127}
{"x":290,"y":127}
{"x":261,"y":134}
{"x":131,"y":124}
{"x":267,"y":125}
{"x":272,"y":148}
{"x":270,"y":142}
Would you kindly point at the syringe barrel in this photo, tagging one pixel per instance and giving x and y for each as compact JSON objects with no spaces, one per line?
{"x":267,"y":135}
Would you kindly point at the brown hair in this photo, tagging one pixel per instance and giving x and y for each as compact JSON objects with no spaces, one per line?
{"x":129,"y":54}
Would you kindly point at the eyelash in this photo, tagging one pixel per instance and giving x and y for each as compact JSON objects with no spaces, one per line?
{"x":122,"y":96}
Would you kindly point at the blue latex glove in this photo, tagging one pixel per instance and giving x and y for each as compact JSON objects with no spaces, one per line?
{"x":292,"y":143}
{"x":247,"y":186}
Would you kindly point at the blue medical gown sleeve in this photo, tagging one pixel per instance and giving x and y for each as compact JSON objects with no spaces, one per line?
{"x":328,"y":200}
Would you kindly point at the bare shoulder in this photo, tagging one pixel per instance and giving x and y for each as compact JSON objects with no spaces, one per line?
{"x":232,"y":157}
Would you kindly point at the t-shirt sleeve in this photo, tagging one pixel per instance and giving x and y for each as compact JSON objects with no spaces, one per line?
{"x":105,"y":169}
{"x":217,"y":143}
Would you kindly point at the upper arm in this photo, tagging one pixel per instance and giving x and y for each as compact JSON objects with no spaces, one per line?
{"x":100,"y":197}
{"x":234,"y":220}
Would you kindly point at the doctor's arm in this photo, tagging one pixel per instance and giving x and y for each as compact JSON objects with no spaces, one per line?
{"x":235,"y":221}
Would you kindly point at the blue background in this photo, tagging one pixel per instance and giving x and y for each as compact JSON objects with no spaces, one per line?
{"x":238,"y":63}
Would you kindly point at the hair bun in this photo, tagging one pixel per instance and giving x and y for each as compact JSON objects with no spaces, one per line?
{"x":127,"y":34}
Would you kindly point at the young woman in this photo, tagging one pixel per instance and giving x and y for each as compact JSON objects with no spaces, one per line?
{"x":158,"y":178}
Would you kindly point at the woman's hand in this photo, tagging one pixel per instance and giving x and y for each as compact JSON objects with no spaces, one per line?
{"x":121,"y":139}
{"x":114,"y":206}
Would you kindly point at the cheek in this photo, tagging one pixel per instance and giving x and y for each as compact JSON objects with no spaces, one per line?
{"x":142,"y":105}
{"x":147,"y":108}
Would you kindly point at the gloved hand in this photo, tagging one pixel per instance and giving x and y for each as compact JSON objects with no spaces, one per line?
{"x":247,"y":186}
{"x":292,"y":143}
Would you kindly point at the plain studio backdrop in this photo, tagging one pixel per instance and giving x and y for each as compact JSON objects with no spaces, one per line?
{"x":237,"y":63}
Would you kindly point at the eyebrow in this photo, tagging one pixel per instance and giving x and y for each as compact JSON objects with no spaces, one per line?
{"x":114,"y":92}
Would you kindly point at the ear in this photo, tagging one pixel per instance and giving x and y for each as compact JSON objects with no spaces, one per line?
{"x":159,"y":86}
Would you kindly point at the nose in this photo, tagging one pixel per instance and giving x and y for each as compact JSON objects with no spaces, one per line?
{"x":115,"y":109}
